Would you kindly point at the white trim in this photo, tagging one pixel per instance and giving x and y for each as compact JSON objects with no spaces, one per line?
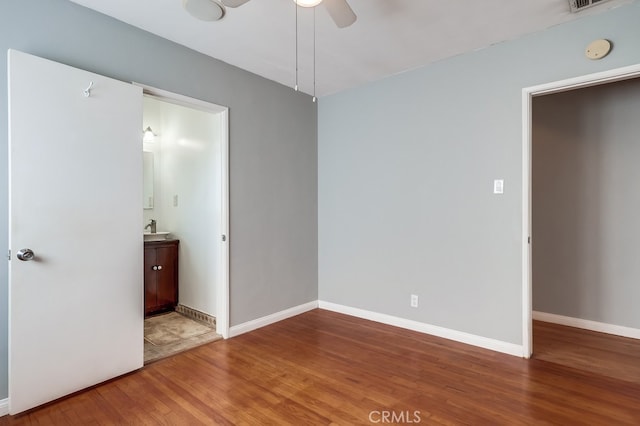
{"x":248,"y":326}
{"x":603,"y":77}
{"x":610,"y":76}
{"x":458,"y":336}
{"x":182,"y":100}
{"x":601,"y":327}
{"x":527,"y":332}
{"x":4,"y":407}
{"x":222,"y":289}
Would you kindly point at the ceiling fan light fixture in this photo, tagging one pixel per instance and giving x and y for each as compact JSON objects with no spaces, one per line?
{"x":204,"y":10}
{"x":308,"y":3}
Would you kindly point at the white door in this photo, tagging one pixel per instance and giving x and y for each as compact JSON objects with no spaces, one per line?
{"x":75,"y":200}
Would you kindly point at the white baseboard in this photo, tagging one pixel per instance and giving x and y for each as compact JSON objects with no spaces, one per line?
{"x":4,"y":407}
{"x":458,"y":336}
{"x":248,"y":326}
{"x":601,"y":327}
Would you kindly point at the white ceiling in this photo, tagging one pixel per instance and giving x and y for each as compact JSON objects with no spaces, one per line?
{"x":390,"y":36}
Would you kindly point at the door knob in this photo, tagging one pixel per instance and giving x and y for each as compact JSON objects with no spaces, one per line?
{"x":25,"y":255}
{"x":154,"y":267}
{"x":159,"y":267}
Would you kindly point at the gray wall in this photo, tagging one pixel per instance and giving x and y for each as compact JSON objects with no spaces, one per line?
{"x":406,"y":167}
{"x":273,"y":146}
{"x":586,"y":203}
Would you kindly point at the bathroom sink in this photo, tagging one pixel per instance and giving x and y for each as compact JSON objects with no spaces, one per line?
{"x":158,"y":236}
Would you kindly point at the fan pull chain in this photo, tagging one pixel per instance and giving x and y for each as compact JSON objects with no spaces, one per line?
{"x":314,"y":54}
{"x":296,"y":85}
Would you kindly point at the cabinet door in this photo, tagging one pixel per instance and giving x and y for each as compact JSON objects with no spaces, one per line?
{"x":150,"y":285}
{"x":167,"y":276}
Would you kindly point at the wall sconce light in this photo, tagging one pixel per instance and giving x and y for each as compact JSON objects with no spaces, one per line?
{"x":148,"y":135}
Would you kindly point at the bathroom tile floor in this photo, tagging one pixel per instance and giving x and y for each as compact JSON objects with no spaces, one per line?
{"x":171,"y":333}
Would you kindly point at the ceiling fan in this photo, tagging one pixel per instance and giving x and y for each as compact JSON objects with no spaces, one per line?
{"x":213,"y":10}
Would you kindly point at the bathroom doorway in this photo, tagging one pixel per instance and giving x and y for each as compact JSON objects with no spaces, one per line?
{"x":186,"y":213}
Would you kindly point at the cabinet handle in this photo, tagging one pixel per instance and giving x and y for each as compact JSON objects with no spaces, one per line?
{"x":155,"y":268}
{"x":159,"y":267}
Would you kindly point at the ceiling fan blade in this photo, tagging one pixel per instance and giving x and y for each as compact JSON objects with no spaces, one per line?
{"x":234,"y":3}
{"x":341,"y":12}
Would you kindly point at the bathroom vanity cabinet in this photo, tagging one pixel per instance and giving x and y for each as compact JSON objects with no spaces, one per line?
{"x":160,"y":276}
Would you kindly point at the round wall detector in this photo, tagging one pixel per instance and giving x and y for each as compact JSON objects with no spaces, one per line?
{"x":598,"y":49}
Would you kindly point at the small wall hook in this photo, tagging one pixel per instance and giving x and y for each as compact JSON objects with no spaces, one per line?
{"x":87,"y":91}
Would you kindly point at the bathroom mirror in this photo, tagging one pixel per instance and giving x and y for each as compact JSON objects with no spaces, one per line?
{"x":147,"y":180}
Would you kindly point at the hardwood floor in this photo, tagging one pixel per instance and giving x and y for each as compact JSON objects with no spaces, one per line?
{"x":604,"y":354}
{"x":326,"y":368}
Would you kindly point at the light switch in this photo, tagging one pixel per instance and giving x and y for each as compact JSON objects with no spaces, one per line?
{"x":498,"y":186}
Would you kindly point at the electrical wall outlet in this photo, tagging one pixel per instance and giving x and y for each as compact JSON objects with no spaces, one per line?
{"x":414,"y":300}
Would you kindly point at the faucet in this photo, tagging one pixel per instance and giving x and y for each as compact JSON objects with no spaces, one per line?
{"x":152,"y":225}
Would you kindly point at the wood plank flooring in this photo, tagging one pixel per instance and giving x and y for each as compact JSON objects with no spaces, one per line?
{"x":604,"y":354}
{"x":324,"y":368}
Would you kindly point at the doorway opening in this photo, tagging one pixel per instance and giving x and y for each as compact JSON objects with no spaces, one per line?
{"x":186,"y":217}
{"x":577,"y":224}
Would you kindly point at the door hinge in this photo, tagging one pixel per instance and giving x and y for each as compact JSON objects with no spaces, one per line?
{"x":9,"y":254}
{"x":224,"y":237}
{"x":529,"y":240}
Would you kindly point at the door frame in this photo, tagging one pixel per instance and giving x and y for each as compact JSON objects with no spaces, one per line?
{"x":528,"y":93}
{"x":222,"y":289}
